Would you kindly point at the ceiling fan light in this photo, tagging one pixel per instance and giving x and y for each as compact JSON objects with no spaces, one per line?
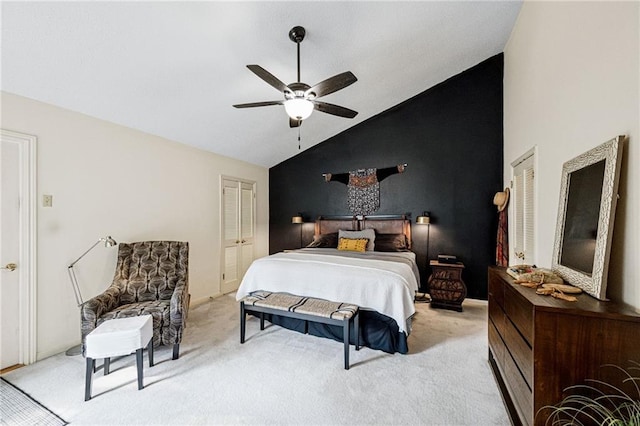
{"x":298,"y":109}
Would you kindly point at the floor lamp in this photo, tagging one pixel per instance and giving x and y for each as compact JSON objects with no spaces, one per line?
{"x":108,"y":242}
{"x":425,"y":219}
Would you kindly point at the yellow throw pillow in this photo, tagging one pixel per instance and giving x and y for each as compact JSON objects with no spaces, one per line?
{"x":353,"y":244}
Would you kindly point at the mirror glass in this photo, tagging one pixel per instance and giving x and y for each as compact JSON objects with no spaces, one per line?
{"x":586,"y":211}
{"x":581,"y":223}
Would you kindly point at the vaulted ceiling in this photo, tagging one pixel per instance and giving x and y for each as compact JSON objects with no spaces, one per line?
{"x":174,"y":69}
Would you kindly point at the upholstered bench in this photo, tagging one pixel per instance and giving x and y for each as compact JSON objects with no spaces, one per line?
{"x":118,"y":337}
{"x":304,"y":308}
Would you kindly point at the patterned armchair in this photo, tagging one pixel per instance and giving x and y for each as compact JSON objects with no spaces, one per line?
{"x":151,"y":278}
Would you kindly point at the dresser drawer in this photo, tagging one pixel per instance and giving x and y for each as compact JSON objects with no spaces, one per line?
{"x":519,"y":390}
{"x":496,"y":289}
{"x":520,"y":312}
{"x":497,"y":316}
{"x":447,"y":274}
{"x":520,"y":351}
{"x":496,"y":345}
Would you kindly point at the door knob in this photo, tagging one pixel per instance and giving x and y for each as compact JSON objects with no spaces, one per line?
{"x":10,"y":266}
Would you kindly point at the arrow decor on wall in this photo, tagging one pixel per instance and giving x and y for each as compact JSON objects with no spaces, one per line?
{"x":363,"y":187}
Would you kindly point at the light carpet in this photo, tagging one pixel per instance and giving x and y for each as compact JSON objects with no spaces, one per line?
{"x":283,"y":377}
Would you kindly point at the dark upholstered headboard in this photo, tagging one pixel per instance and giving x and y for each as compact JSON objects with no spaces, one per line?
{"x":329,"y":224}
{"x":387,"y":224}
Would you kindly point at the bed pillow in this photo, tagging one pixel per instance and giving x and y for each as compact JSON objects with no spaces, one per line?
{"x":325,"y":241}
{"x":369,"y":234}
{"x":391,"y":242}
{"x":353,"y":244}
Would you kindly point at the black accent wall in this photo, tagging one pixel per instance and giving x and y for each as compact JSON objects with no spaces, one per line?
{"x":451,"y":138}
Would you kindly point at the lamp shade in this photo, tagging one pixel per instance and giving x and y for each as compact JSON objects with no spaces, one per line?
{"x":297,"y":219}
{"x":424,"y":219}
{"x":108,"y":241}
{"x":298,"y":108}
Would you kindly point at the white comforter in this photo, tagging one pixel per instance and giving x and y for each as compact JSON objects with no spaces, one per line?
{"x":384,"y":282}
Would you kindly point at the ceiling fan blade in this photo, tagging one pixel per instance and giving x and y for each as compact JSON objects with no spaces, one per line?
{"x":294,"y":123}
{"x":334,"y":109}
{"x":269,"y":78}
{"x":258,"y":104}
{"x":332,"y":84}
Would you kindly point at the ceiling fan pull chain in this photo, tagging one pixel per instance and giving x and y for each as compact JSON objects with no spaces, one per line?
{"x":299,"y":137}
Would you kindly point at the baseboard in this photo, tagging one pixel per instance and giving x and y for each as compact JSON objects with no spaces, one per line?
{"x":13,"y":367}
{"x":200,"y":301}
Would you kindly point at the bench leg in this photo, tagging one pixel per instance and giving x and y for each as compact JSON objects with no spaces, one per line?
{"x":88,"y":379}
{"x":242,"y":322}
{"x":107,"y":365}
{"x":150,"y":352}
{"x":261,"y":320}
{"x":139,"y":364}
{"x":356,"y":326}
{"x":346,"y":343}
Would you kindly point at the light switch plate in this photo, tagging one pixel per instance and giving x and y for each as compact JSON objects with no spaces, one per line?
{"x":47,"y":201}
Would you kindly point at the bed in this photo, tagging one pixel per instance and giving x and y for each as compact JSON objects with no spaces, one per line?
{"x":382,"y":281}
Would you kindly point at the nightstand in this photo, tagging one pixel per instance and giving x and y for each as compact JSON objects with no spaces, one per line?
{"x":446,"y":288}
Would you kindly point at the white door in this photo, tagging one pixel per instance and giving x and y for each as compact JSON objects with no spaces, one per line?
{"x":17,"y":220}
{"x":238,"y":230}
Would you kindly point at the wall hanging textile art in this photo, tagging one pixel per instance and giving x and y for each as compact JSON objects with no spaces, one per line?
{"x":363,"y":187}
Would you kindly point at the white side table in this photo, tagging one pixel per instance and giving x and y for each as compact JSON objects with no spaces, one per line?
{"x":118,"y":337}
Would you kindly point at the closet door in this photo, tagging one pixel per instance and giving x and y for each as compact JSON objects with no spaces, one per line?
{"x":247,"y":225}
{"x":523,"y":223}
{"x":238,"y":230}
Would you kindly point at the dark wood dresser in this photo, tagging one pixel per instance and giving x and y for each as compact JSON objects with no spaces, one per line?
{"x":539,"y":345}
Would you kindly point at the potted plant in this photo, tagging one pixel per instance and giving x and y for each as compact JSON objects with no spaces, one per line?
{"x":599,"y":402}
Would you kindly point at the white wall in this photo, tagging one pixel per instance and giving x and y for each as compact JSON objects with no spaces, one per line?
{"x":572,"y":82}
{"x":111,"y":180}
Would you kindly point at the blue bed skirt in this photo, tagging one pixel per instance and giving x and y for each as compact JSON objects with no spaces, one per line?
{"x":377,"y":331}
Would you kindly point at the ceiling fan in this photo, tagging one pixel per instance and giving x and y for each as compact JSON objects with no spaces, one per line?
{"x":300,"y":99}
